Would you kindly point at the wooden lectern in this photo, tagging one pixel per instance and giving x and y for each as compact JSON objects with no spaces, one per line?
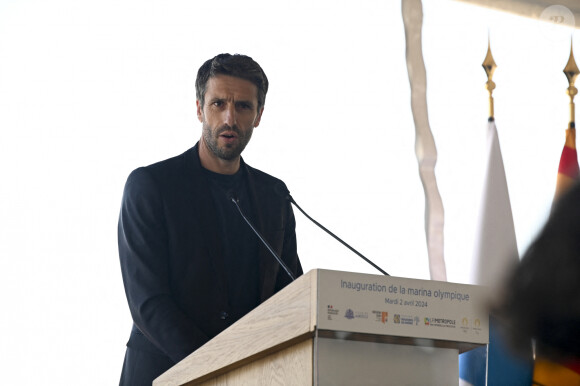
{"x":343,"y":328}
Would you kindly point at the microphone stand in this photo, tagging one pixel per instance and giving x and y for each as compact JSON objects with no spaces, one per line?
{"x":286,"y":194}
{"x":278,"y":258}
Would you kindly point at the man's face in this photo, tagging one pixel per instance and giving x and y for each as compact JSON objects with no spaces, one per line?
{"x":229,"y":115}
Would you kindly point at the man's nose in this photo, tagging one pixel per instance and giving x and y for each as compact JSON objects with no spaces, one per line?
{"x":230,"y":115}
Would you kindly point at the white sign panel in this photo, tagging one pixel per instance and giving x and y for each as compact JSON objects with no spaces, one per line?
{"x":396,"y":306}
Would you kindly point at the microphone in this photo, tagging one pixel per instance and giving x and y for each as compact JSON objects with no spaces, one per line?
{"x":284,"y":193}
{"x":232,"y":197}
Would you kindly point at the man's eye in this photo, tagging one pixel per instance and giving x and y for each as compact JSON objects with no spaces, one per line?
{"x":218,"y":103}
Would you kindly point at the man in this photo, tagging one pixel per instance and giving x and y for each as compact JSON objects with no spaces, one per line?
{"x":191,"y":266}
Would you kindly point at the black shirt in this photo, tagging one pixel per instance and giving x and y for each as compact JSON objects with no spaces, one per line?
{"x":240,"y":244}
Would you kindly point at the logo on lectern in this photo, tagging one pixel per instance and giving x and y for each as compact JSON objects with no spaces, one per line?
{"x":465,"y":325}
{"x":331,"y":311}
{"x":440,"y":322}
{"x":404,"y":319}
{"x":349,"y":314}
{"x":381,"y":316}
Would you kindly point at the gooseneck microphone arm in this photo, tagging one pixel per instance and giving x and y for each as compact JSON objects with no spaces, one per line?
{"x":286,"y":194}
{"x":235,"y":200}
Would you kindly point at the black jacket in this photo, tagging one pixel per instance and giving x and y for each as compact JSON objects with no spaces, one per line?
{"x":171,"y":258}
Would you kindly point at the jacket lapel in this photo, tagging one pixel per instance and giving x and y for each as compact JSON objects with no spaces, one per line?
{"x":268,"y":265}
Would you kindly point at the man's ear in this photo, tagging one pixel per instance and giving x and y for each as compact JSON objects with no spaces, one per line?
{"x":258,"y":118}
{"x":199,"y":110}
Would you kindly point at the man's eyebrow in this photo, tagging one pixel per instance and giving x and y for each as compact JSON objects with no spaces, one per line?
{"x":247,"y":102}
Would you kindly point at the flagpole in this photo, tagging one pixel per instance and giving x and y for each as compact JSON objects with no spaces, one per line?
{"x":489,"y":66}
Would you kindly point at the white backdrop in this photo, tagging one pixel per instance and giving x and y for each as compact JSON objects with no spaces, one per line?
{"x":91,"y":90}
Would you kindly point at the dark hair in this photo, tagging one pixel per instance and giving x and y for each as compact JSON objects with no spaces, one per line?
{"x":541,"y":299}
{"x":239,"y":66}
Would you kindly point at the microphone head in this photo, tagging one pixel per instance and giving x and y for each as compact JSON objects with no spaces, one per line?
{"x":232,"y":196}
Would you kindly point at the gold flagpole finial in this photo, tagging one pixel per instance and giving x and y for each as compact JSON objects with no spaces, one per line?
{"x":489,"y":66}
{"x":571,"y":71}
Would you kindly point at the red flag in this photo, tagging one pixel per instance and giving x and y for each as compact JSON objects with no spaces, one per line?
{"x":568,"y":171}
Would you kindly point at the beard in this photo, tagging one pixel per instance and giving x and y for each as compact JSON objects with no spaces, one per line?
{"x":226,"y":152}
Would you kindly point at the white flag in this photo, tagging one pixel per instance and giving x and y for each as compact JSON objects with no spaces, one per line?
{"x":495,"y":255}
{"x":496,"y":250}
